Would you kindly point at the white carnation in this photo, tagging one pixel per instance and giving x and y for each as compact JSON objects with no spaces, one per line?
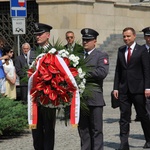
{"x":84,"y":80}
{"x":81,"y":75}
{"x":81,"y":87}
{"x":63,"y":53}
{"x":79,"y":70}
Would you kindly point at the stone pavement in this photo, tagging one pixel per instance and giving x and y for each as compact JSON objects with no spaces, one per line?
{"x":67,"y":137}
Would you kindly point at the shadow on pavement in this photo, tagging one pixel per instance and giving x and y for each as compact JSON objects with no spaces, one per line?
{"x":111,"y":120}
{"x":111,"y":144}
{"x":137,"y":136}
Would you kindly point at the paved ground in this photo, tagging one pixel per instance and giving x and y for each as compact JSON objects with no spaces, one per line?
{"x":67,"y":137}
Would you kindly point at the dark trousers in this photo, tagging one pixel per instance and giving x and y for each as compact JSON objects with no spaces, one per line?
{"x":148,"y":106}
{"x":91,"y":128}
{"x":44,"y":135}
{"x":24,"y":93}
{"x":138,"y":101}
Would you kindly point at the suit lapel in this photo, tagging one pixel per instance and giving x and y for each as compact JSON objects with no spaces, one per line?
{"x":123,"y":55}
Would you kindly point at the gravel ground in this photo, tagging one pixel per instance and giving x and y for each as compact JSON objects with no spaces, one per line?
{"x":67,"y":136}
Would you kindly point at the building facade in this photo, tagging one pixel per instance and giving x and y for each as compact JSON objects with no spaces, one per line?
{"x":105,"y":16}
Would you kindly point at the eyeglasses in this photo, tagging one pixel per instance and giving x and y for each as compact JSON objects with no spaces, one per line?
{"x":69,"y":37}
{"x":11,"y":51}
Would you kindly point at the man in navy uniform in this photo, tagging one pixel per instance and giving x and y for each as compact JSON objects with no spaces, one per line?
{"x":146,"y":32}
{"x":91,"y":123}
{"x":44,"y":134}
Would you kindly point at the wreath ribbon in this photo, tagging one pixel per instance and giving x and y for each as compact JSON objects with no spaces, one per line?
{"x":75,"y":103}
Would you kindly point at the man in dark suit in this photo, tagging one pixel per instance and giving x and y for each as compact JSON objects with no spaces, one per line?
{"x":44,"y":134}
{"x":91,"y":123}
{"x":131,"y":85}
{"x":21,"y":64}
{"x":146,"y":32}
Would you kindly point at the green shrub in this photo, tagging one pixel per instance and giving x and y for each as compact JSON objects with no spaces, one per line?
{"x":13,"y":116}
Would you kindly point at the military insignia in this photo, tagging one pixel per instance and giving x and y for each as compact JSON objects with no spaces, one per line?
{"x":105,"y":61}
{"x":86,"y":31}
{"x":36,"y":26}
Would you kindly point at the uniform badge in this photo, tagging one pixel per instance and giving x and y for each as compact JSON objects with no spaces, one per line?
{"x":105,"y":61}
{"x":36,"y":26}
{"x":86,"y":31}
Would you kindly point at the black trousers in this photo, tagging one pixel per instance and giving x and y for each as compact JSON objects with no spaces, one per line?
{"x":126,"y":101}
{"x":91,"y":128}
{"x":44,"y":135}
{"x":24,"y":93}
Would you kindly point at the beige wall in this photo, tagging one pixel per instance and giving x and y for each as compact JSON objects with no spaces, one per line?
{"x":107,"y":17}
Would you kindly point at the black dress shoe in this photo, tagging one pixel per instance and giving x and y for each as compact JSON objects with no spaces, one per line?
{"x":124,"y":148}
{"x":146,"y":145}
{"x":137,"y":118}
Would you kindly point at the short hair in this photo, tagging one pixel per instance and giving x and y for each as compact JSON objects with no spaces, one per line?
{"x":69,"y":32}
{"x":129,"y":28}
{"x":27,"y":45}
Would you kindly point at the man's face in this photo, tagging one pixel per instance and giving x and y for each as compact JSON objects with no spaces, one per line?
{"x":89,"y":44}
{"x":129,"y":37}
{"x":42,"y":39}
{"x":70,"y":38}
{"x":147,"y":39}
{"x":25,"y":49}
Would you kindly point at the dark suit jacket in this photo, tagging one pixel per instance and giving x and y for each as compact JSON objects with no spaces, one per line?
{"x":21,"y":66}
{"x":21,"y":63}
{"x":97,"y":69}
{"x":135,"y":75}
{"x":32,"y":56}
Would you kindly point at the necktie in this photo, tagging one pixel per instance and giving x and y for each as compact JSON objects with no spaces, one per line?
{"x":86,"y":54}
{"x":129,"y":54}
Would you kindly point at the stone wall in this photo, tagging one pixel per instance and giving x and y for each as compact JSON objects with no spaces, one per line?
{"x":105,"y":16}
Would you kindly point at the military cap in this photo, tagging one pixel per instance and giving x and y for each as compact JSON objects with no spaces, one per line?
{"x":88,"y":33}
{"x":146,"y":31}
{"x":41,"y":28}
